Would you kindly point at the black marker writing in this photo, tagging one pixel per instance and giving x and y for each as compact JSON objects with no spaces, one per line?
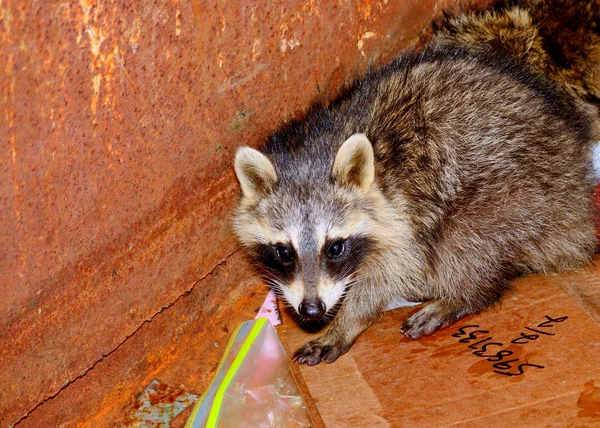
{"x":485,"y":347}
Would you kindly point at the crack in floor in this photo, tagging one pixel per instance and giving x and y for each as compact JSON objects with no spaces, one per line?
{"x":129,"y":336}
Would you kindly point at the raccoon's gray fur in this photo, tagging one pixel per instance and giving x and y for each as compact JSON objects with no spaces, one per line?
{"x":437,"y":178}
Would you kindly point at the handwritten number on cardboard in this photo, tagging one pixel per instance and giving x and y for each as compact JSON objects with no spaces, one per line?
{"x":502,"y":365}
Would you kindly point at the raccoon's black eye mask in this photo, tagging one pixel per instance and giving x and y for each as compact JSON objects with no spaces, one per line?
{"x":286,"y":255}
{"x":278,"y":260}
{"x":336,"y":249}
{"x":337,"y":252}
{"x":345,"y":255}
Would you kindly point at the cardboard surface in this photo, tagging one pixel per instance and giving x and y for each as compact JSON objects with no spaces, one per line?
{"x":538,"y":368}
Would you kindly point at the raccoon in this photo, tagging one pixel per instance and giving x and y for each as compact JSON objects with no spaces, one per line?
{"x":437,"y":178}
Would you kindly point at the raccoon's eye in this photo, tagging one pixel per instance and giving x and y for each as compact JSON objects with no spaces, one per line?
{"x":284,"y":254}
{"x":336,"y":249}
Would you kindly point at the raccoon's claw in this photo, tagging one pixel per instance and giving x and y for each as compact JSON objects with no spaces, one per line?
{"x":429,"y":320}
{"x":314,"y":352}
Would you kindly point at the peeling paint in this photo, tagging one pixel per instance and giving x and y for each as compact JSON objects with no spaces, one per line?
{"x":366,"y":35}
{"x":96,"y":39}
{"x":96,"y":92}
{"x":365,"y":9}
{"x":133,"y":35}
{"x":97,"y":22}
{"x":256,"y":49}
{"x":158,"y":405}
{"x":286,"y":44}
{"x":177,"y":20}
{"x":289,"y":41}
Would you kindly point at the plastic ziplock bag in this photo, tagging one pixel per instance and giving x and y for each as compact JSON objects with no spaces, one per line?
{"x":253,"y":386}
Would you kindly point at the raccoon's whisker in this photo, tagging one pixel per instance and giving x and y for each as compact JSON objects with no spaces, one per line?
{"x":349,"y":282}
{"x":347,"y":275}
{"x":300,"y":319}
{"x":275,"y":285}
{"x":276,"y":288}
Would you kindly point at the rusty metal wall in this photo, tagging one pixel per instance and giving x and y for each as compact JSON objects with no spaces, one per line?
{"x":118,"y":122}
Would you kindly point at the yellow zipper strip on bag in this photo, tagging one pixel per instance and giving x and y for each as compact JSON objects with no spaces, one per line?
{"x":241,"y":355}
{"x":192,"y":418}
{"x":218,"y":400}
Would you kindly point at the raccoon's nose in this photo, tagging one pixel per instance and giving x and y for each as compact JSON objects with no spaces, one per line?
{"x":312,"y":309}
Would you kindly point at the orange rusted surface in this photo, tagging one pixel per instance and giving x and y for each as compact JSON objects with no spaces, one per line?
{"x":181,"y":347}
{"x":158,"y":405}
{"x":119,"y":121}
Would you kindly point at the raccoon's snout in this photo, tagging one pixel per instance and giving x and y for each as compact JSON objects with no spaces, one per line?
{"x":313,"y":309}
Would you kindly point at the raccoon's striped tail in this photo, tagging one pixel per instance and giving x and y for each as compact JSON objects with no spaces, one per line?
{"x":558,"y":38}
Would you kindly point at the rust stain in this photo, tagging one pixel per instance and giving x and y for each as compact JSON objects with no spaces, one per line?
{"x":158,"y":405}
{"x":589,"y":401}
{"x":177,"y":19}
{"x":178,"y":350}
{"x":288,"y":37}
{"x":365,"y":8}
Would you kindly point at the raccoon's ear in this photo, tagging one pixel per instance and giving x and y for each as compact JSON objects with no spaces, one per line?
{"x":255,"y":172}
{"x":355,"y":163}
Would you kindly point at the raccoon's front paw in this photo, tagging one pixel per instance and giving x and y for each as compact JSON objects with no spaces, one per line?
{"x":430,"y":319}
{"x":316,"y":351}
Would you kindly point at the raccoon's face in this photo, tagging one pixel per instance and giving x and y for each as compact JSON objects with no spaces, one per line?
{"x":308,"y":237}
